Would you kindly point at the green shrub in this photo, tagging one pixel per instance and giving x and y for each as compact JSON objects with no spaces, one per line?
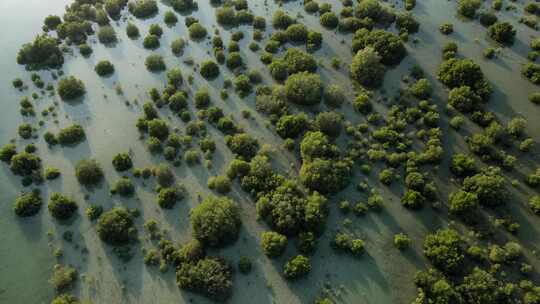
{"x":386,"y":44}
{"x":273,"y":244}
{"x":216,"y":221}
{"x":27,"y":204}
{"x":132,"y":31}
{"x":151,"y":42}
{"x":220,"y":183}
{"x":401,"y":241}
{"x":243,"y":145}
{"x":107,"y":35}
{"x":532,"y":72}
{"x":211,"y":277}
{"x":122,"y":162}
{"x":63,"y":277}
{"x":155,"y":63}
{"x":116,"y":227}
{"x":297,"y":267}
{"x":123,"y":187}
{"x":468,"y":8}
{"x":24,"y":163}
{"x":177,"y":46}
{"x":104,"y":68}
{"x":454,"y":73}
{"x":167,"y":197}
{"x":43,"y":52}
{"x":366,"y":68}
{"x":88,"y":172}
{"x":299,"y":61}
{"x":209,"y":69}
{"x":170,"y":18}
{"x":329,"y":20}
{"x":444,"y":250}
{"x":71,"y":135}
{"x":297,"y":32}
{"x":70,"y":88}
{"x":143,"y":8}
{"x":502,"y":32}
{"x":304,"y":88}
{"x":61,"y":207}
{"x":197,"y":31}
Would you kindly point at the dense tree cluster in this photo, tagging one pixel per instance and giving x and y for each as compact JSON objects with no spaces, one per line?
{"x":43,"y":52}
{"x":386,"y":44}
{"x":455,"y":73}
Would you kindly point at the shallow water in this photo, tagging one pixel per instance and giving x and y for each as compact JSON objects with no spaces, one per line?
{"x":382,"y":275}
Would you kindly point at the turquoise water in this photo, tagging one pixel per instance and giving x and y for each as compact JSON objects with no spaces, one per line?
{"x":381,"y":276}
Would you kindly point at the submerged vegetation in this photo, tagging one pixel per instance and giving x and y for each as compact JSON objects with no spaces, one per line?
{"x":315,"y":123}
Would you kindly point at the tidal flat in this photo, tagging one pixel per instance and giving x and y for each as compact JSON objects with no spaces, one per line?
{"x":392,"y":159}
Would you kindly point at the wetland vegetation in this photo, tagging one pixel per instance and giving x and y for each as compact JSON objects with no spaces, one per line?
{"x":302,"y":151}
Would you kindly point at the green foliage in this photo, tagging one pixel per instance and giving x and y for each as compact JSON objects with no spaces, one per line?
{"x":220,"y":183}
{"x":316,"y":145}
{"x":167,"y":197}
{"x":197,"y":31}
{"x":151,"y":42}
{"x":158,"y":128}
{"x":132,"y":31}
{"x":177,"y":46}
{"x":291,"y":126}
{"x":455,"y":73}
{"x":24,"y":163}
{"x":88,"y":172}
{"x":304,"y":88}
{"x":462,"y":202}
{"x":464,"y":99}
{"x":61,"y":207}
{"x":70,"y":88}
{"x":122,"y":162}
{"x":216,"y":221}
{"x":27,"y":204}
{"x":155,"y":63}
{"x":107,"y":35}
{"x":63,"y":277}
{"x":502,"y":32}
{"x":116,"y":226}
{"x":273,"y":244}
{"x":123,"y":186}
{"x":288,"y":211}
{"x":402,"y":241}
{"x":531,"y":71}
{"x":444,"y":250}
{"x":534,"y":204}
{"x":243,"y":145}
{"x":421,"y":89}
{"x":468,"y":8}
{"x":71,"y":135}
{"x":325,"y":176}
{"x":386,"y":44}
{"x":42,"y":53}
{"x":329,"y":20}
{"x":366,"y":68}
{"x":211,"y":277}
{"x":297,"y":32}
{"x":299,"y":61}
{"x":143,"y":8}
{"x":280,"y":20}
{"x":104,"y":68}
{"x":488,"y":185}
{"x":65,"y":299}
{"x":209,"y":69}
{"x":297,"y":267}
{"x":51,"y":173}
